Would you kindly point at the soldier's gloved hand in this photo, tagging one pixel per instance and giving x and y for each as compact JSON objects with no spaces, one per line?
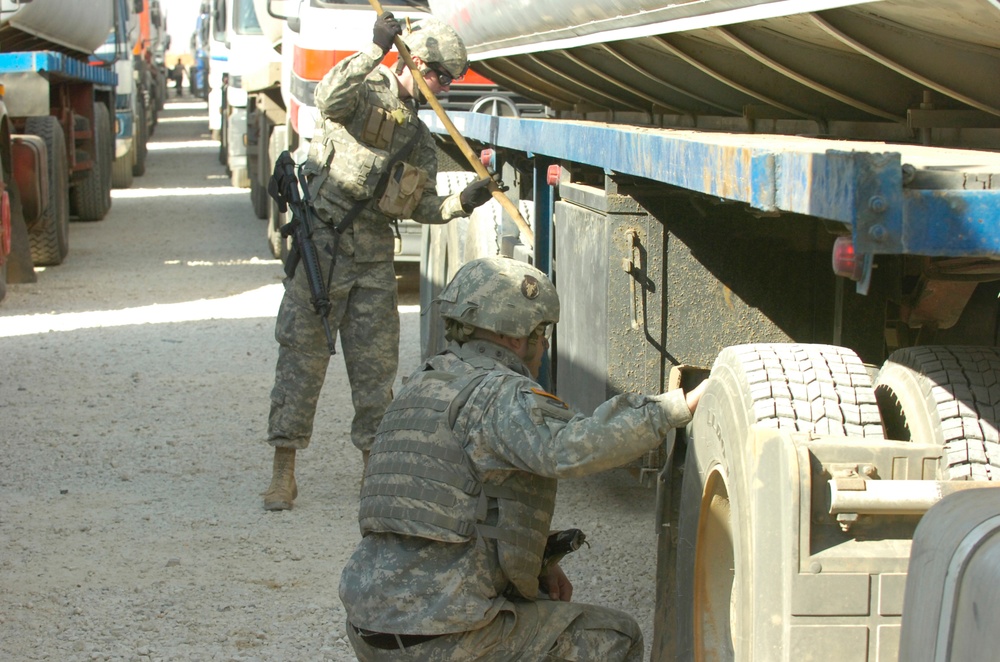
{"x":478,"y":193}
{"x":283,"y":177}
{"x":386,"y":27}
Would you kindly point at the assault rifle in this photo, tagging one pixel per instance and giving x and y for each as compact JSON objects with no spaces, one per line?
{"x":558,"y":545}
{"x":284,"y":188}
{"x":561,"y":543}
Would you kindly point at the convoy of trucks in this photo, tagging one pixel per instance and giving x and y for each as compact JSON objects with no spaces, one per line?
{"x":82,"y":84}
{"x":136,"y":49}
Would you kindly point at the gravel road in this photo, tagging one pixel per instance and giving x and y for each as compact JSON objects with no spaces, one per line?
{"x":133,"y":411}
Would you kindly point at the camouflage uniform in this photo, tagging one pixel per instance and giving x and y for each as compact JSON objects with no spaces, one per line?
{"x":404,"y":578}
{"x":362,"y":285}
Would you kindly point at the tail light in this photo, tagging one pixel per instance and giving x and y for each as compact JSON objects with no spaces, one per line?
{"x":846,"y":262}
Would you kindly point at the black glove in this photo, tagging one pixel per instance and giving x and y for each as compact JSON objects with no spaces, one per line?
{"x":283,"y":178}
{"x":386,"y":27}
{"x":478,"y":193}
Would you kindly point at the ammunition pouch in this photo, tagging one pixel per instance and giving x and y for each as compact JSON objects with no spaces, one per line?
{"x":403,"y":190}
{"x":378,"y":128}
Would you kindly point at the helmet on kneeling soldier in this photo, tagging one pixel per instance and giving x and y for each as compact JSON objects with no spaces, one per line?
{"x":498,"y":294}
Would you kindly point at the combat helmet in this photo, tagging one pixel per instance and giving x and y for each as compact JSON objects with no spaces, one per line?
{"x":435,"y":42}
{"x":501,"y":295}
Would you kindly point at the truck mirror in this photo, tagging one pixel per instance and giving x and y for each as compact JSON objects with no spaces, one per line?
{"x":276,"y":8}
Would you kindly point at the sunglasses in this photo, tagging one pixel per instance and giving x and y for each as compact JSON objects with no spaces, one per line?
{"x":444,"y":78}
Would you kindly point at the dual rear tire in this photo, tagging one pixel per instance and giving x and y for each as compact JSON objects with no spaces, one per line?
{"x":707,"y":577}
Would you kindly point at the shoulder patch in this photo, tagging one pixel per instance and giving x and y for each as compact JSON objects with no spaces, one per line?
{"x":554,"y":399}
{"x":545,"y":408}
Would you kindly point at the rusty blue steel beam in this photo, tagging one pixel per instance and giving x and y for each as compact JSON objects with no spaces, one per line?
{"x":854,"y":183}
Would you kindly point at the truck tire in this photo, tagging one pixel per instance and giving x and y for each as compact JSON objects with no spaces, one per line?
{"x":810,"y":388}
{"x":139,"y":145}
{"x":259,"y":198}
{"x":6,"y":231}
{"x":121,"y":170}
{"x":224,"y":134}
{"x":91,"y":197}
{"x":260,"y":167}
{"x":945,"y":395}
{"x":50,"y":237}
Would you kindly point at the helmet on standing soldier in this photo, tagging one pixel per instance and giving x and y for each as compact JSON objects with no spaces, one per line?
{"x":501,"y":295}
{"x":437,"y":43}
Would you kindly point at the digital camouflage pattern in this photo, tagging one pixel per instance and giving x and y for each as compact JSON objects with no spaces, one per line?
{"x":364,"y":315}
{"x":440,"y":496}
{"x":411,"y":585}
{"x":501,"y":295}
{"x":543,"y":630}
{"x":436,"y":42}
{"x":346,"y":96}
{"x":362,"y":286}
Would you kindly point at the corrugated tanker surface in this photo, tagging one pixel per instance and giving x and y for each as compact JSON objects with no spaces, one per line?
{"x":912,"y":63}
{"x":73,"y":27}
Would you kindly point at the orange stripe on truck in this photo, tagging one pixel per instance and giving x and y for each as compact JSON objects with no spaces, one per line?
{"x":311,"y":65}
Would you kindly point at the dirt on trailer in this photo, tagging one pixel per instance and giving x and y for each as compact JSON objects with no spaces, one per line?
{"x":133,"y":413}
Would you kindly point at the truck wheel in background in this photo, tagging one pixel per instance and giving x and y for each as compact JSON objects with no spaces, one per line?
{"x":945,"y":395}
{"x":6,"y":232}
{"x":50,"y":238}
{"x":239,"y":178}
{"x":224,"y":135}
{"x":121,"y":170}
{"x":260,"y":167}
{"x":709,"y":604}
{"x":275,"y":219}
{"x":90,"y":199}
{"x":259,"y":197}
{"x":139,"y":145}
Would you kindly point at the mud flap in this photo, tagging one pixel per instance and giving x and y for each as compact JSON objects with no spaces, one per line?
{"x":20,"y":268}
{"x":951,"y":608}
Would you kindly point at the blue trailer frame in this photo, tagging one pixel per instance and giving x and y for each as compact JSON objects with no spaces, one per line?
{"x":27,"y":77}
{"x":859,"y":184}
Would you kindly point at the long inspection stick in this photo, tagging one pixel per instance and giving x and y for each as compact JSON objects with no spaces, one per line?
{"x":459,"y":139}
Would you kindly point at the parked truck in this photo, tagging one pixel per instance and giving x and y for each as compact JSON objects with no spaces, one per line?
{"x":132,"y":95}
{"x":56,"y":133}
{"x":306,"y":39}
{"x":804,"y":197}
{"x":237,"y":33}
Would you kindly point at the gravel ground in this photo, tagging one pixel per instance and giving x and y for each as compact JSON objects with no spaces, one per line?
{"x":133,"y":412}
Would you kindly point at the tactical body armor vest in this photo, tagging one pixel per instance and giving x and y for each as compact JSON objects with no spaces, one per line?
{"x":420,"y":482}
{"x":366,"y":157}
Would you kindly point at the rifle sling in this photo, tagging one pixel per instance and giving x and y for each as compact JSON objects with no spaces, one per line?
{"x":356,"y":209}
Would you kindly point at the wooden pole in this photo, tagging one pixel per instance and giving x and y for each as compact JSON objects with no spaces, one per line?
{"x":459,"y":139}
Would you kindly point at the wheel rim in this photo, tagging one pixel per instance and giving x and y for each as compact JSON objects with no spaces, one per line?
{"x":715,"y":575}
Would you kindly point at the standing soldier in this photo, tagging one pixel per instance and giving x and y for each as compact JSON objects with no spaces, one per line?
{"x":459,"y":492}
{"x":375,"y":164}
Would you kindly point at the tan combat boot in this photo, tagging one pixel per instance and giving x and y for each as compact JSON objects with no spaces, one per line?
{"x":282,"y":491}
